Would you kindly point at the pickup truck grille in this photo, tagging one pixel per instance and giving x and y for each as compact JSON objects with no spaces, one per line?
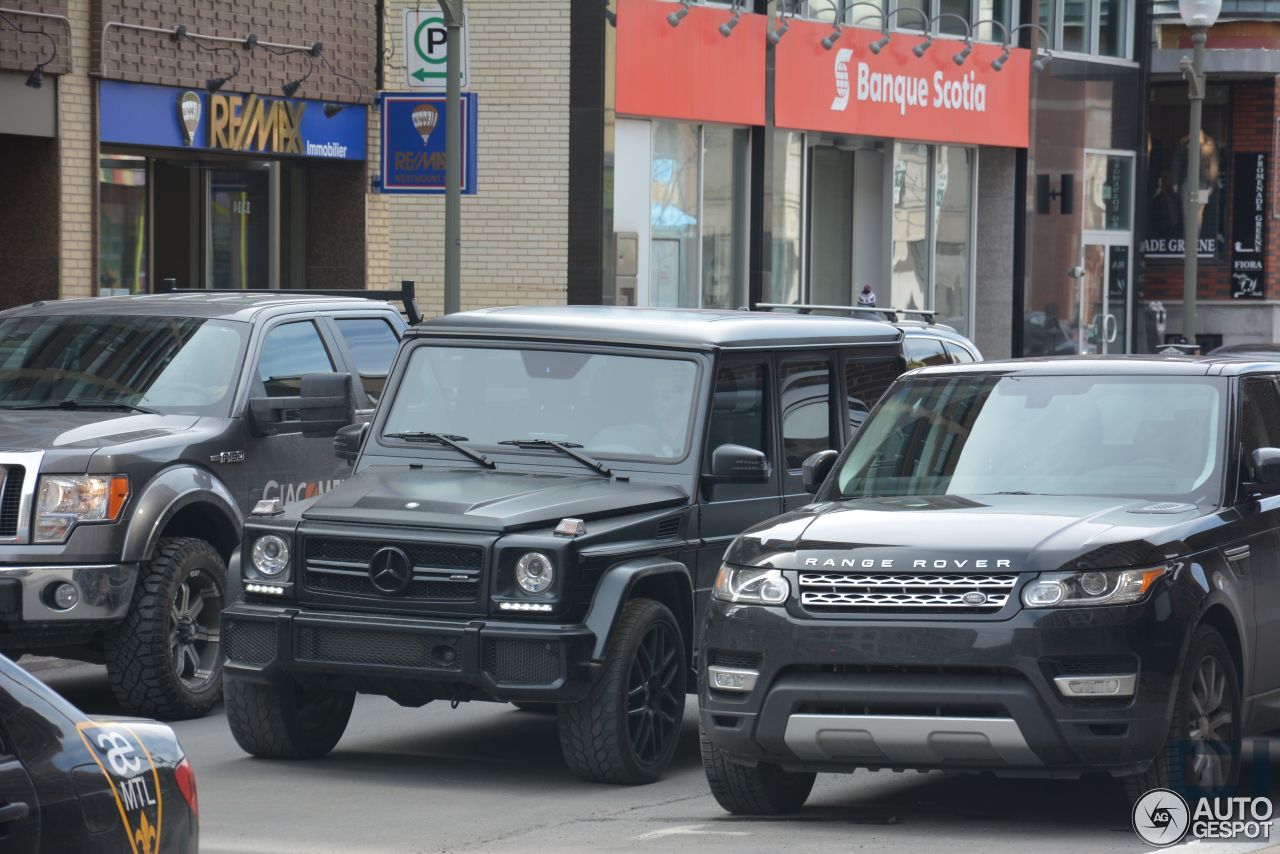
{"x":853,"y":593}
{"x":441,"y":571}
{"x":11,"y":478}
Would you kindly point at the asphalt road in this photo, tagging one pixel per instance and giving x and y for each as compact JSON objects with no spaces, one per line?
{"x":487,"y":777}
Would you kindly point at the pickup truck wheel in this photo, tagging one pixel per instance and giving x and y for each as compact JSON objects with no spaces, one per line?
{"x":626,"y":729}
{"x":1202,"y":752}
{"x":165,"y":660}
{"x":286,"y":722}
{"x":761,"y":790}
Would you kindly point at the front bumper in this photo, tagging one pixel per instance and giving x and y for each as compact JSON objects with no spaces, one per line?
{"x":105,"y":591}
{"x":838,"y":694}
{"x":408,"y":658}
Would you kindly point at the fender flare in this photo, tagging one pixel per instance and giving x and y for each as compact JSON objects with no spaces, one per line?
{"x":162,"y":498}
{"x":615,"y":588}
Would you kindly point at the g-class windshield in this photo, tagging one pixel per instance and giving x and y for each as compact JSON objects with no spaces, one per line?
{"x":607,"y":405}
{"x":1157,"y":437}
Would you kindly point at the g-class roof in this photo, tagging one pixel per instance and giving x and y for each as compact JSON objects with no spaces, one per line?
{"x":661,"y":327}
{"x":1148,"y":365}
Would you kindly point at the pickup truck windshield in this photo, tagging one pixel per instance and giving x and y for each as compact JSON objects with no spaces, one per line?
{"x":1156,"y":437}
{"x":606,"y":405}
{"x":163,"y":364}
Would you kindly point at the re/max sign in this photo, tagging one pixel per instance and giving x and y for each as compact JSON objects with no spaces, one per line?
{"x":251,"y":123}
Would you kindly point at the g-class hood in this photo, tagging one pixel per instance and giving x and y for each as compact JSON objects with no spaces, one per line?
{"x":959,"y":534}
{"x":482,"y":500}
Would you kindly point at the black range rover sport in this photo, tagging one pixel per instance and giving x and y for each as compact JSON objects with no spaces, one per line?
{"x":1052,"y":566}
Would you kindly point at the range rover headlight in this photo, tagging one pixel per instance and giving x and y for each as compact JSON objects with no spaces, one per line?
{"x":66,"y":500}
{"x":754,"y":586}
{"x":535,"y":572}
{"x":1095,"y":587}
{"x":270,"y":557}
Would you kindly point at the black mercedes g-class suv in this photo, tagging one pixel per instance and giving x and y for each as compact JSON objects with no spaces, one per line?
{"x":136,"y":432}
{"x":1051,"y":566}
{"x":536,"y":515}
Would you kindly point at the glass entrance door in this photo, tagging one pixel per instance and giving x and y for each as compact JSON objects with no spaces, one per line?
{"x":1102,"y":298}
{"x":830,"y":265}
{"x":240,"y":221}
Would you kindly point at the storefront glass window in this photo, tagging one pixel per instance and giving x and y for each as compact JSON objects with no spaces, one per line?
{"x":724,"y":217}
{"x":673,"y":265}
{"x":1108,"y":182}
{"x":122,"y":225}
{"x":788,"y":216}
{"x":953,"y":181}
{"x":909,"y":260}
{"x":239,"y":228}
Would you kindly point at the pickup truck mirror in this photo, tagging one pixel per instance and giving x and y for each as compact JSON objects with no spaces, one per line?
{"x":347,"y":441}
{"x":1266,"y":468}
{"x":738,"y":464}
{"x":816,"y":467}
{"x":325,"y":403}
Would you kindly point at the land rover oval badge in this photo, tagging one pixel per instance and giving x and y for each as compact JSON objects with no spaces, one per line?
{"x":974,"y":597}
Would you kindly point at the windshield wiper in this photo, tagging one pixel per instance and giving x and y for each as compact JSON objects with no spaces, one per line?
{"x":85,"y":403}
{"x":448,"y":440}
{"x":565,"y":448}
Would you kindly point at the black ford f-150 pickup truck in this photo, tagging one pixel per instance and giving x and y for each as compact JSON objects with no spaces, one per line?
{"x":1053,"y":566}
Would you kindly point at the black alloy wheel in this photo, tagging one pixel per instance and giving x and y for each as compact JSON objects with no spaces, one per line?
{"x":653,"y":706}
{"x":194,"y":630}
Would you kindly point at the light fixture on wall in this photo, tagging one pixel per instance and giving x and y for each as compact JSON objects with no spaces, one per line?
{"x":291,"y":88}
{"x":678,"y":15}
{"x":726,"y":29}
{"x":212,"y":84}
{"x":1043,"y":56}
{"x":780,"y":29}
{"x":960,"y":57}
{"x":885,"y":17}
{"x":332,"y":109}
{"x":36,"y":78}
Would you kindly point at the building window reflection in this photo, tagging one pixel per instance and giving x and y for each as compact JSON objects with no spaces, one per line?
{"x":122,"y":231}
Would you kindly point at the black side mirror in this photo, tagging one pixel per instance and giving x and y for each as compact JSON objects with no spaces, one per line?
{"x":347,"y":441}
{"x":1266,"y":468}
{"x":816,"y":467}
{"x":738,"y":464}
{"x":325,"y":403}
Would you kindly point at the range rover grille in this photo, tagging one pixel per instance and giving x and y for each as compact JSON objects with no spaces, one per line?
{"x":441,"y":571}
{"x":849,"y":593}
{"x":10,"y":498}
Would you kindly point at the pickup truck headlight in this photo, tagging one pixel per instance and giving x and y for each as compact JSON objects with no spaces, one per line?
{"x":1095,"y":587}
{"x":66,"y":500}
{"x":751,"y":586}
{"x":270,"y":557}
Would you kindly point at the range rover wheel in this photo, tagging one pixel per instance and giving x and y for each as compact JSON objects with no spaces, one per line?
{"x":1202,"y":751}
{"x":275,"y":722}
{"x":165,"y":660}
{"x":626,"y":729}
{"x":761,"y":790}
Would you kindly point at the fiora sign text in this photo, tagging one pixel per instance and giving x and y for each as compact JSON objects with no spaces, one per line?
{"x":252,"y":123}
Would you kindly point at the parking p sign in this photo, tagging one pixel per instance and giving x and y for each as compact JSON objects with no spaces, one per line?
{"x":426,"y":49}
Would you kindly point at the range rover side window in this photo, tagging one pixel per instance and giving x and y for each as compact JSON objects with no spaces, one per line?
{"x":806,"y":410}
{"x":289,"y":351}
{"x":1259,"y":418}
{"x":865,"y":382}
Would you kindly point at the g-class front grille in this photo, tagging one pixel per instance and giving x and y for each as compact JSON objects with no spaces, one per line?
{"x":10,"y":498}
{"x":441,"y":571}
{"x":921,"y":593}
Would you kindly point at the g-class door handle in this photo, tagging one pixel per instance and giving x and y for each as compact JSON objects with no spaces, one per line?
{"x":16,"y":811}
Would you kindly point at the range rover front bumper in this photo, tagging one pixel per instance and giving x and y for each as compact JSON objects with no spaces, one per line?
{"x":834,"y":694}
{"x":409,"y":657}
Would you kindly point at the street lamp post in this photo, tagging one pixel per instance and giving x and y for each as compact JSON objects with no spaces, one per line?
{"x":1198,"y":16}
{"x":453,"y":11}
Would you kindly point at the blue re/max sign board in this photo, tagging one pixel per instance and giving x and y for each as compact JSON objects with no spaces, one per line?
{"x":413,"y":143}
{"x":172,"y":117}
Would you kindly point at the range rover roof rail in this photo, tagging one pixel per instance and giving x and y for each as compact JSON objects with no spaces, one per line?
{"x":407,"y":294}
{"x":888,"y":314}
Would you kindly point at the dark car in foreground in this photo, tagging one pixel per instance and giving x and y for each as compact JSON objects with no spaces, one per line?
{"x":1050,"y":566}
{"x":536,"y":515}
{"x":135,"y":433}
{"x":71,"y":783}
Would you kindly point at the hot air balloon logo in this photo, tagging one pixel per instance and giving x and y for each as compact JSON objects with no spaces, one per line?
{"x":189,"y":110}
{"x":425,"y":117}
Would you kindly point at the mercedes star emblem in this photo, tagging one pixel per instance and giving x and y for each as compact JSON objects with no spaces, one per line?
{"x":390,"y":571}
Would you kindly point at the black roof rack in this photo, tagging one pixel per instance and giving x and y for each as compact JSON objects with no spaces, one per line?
{"x":889,"y":314}
{"x":407,"y":294}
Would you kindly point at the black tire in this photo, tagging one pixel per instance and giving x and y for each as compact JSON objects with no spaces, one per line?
{"x":165,"y":660}
{"x":605,"y":740}
{"x":1199,"y":760}
{"x":761,"y":790}
{"x":536,"y":708}
{"x":286,"y":722}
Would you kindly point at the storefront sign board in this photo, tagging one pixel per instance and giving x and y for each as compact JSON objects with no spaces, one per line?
{"x":689,"y":72}
{"x":1249,"y":226}
{"x":172,"y":117}
{"x":426,"y":51}
{"x":413,"y":143}
{"x":850,"y":90}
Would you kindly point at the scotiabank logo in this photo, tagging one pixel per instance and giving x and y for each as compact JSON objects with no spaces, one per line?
{"x":907,"y":91}
{"x":842,"y":79}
